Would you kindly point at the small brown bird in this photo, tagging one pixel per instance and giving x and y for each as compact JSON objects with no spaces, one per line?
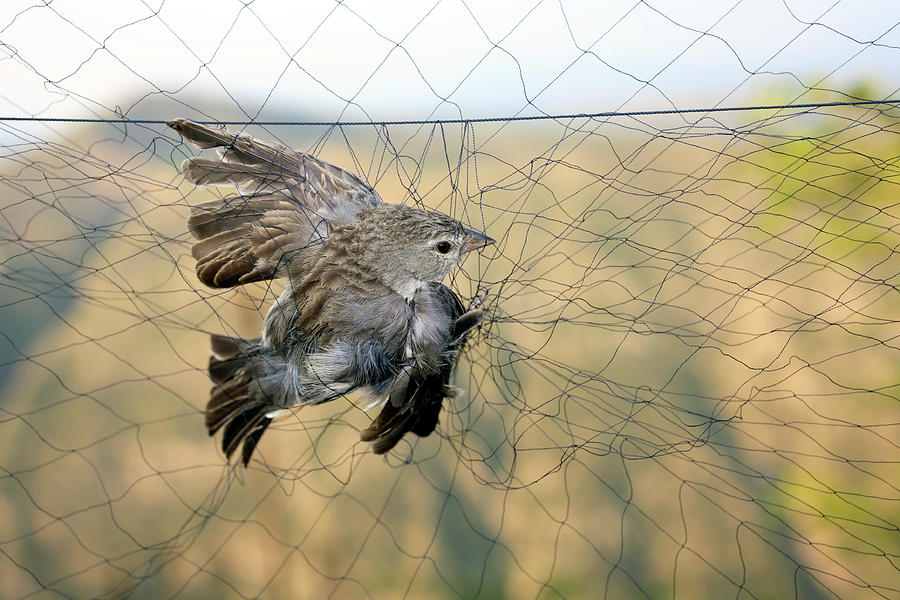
{"x":364,"y":307}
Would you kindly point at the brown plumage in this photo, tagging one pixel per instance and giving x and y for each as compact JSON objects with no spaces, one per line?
{"x":363,"y":309}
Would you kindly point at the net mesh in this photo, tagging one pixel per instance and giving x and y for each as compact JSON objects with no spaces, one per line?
{"x":687,"y":381}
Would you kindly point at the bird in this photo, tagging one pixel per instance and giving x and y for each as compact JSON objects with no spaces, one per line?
{"x":363,"y":307}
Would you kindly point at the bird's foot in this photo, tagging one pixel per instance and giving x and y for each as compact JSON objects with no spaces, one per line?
{"x":477,"y":301}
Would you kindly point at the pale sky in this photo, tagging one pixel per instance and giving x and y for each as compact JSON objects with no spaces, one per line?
{"x":412,"y":60}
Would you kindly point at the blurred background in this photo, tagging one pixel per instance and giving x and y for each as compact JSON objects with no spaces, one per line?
{"x":687,"y":386}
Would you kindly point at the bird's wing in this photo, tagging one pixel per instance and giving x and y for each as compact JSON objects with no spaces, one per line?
{"x":417,"y":394}
{"x":286,"y":204}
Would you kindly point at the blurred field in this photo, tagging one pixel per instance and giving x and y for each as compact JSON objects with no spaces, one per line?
{"x":688,"y":386}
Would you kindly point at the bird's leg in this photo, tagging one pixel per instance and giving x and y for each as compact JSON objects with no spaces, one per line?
{"x":477,"y":301}
{"x":469,"y":320}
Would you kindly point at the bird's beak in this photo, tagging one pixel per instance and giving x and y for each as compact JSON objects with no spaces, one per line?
{"x":476,"y":240}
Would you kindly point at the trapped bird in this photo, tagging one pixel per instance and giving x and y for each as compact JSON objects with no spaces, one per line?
{"x":364,"y":307}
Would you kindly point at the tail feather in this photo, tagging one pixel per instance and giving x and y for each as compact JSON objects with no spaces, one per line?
{"x":221,"y":371}
{"x":225,"y":399}
{"x":245,"y":427}
{"x":229,"y":355}
{"x":224,"y":347}
{"x":252,"y":439}
{"x":235,"y":401}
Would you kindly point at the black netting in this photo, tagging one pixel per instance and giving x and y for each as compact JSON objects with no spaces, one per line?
{"x":687,"y":383}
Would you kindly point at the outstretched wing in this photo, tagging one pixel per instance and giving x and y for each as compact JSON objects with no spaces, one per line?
{"x":286,"y":204}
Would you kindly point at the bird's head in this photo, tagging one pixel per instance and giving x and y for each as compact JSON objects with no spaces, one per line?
{"x":408,"y":247}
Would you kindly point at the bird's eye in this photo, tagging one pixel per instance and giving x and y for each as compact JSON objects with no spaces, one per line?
{"x":442,"y":247}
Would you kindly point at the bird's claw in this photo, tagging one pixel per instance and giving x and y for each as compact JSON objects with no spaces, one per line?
{"x":477,"y":301}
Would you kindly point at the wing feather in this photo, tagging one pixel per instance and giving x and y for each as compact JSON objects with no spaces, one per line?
{"x":287,"y":203}
{"x":417,"y":394}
